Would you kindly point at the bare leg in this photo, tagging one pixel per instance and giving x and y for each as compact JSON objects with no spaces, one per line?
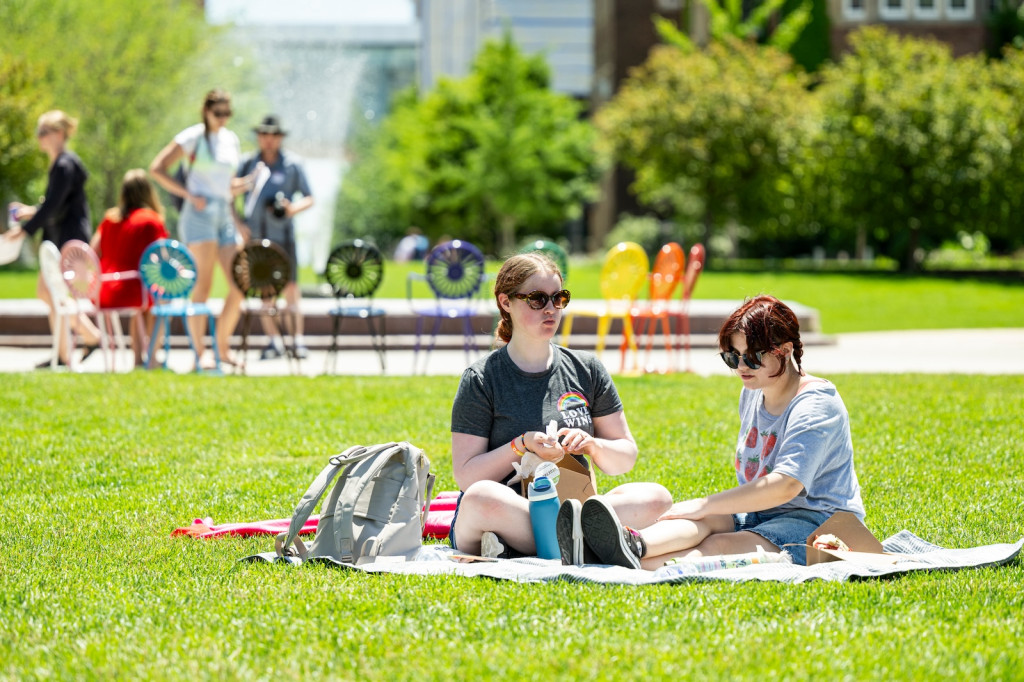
{"x":491,"y":506}
{"x":205,"y":255}
{"x":293,"y":297}
{"x":638,"y":505}
{"x":677,"y":537}
{"x":232,"y":305}
{"x":43,"y":292}
{"x":142,"y":324}
{"x":716,"y":543}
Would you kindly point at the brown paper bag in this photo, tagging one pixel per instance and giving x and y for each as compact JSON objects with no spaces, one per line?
{"x":575,"y":481}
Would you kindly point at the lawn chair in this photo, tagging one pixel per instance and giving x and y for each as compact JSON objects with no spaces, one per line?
{"x":261,"y":270}
{"x":694,"y":267}
{"x":667,"y":274}
{"x":81,"y":264}
{"x":454,"y":273}
{"x":355,"y":270}
{"x":169,"y":273}
{"x":623,"y":273}
{"x":552,"y":251}
{"x":66,"y":307}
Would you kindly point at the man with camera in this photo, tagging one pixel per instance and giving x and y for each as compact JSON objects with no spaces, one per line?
{"x":273,"y":179}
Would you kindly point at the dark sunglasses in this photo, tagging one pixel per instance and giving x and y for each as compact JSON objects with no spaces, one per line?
{"x":751,"y":360}
{"x":221,"y":114}
{"x":538,"y":300}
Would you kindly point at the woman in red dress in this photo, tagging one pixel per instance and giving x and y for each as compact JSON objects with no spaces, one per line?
{"x":126,"y":231}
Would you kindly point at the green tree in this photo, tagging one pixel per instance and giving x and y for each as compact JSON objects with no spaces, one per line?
{"x":20,"y":160}
{"x":126,"y":71}
{"x":778,"y":23}
{"x":482,"y":158}
{"x":910,"y":136}
{"x":710,"y":134}
{"x":1003,"y":184}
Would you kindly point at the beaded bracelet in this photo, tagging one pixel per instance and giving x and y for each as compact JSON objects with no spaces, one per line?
{"x":515,"y":449}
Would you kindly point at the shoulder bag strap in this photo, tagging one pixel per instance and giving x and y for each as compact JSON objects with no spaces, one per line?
{"x":309,"y":501}
{"x":347,"y":503}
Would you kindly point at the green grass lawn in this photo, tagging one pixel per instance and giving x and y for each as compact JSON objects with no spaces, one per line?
{"x":98,"y":469}
{"x":846,"y":302}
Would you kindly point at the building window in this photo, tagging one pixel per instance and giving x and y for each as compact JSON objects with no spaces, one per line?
{"x":960,"y":9}
{"x":854,"y":10}
{"x":893,"y":9}
{"x":926,"y":9}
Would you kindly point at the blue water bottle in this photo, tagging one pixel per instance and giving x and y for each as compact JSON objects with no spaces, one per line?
{"x":543,"y":511}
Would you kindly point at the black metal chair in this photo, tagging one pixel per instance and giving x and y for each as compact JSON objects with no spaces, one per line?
{"x":262,"y":270}
{"x":355,"y":270}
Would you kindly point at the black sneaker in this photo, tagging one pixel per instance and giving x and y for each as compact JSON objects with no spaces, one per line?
{"x":271,"y":352}
{"x":571,"y":544}
{"x":612,"y":542}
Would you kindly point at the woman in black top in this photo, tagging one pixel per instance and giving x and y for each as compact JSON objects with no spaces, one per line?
{"x":64,"y":213}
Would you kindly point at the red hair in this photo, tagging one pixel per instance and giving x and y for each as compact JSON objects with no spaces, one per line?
{"x":766,"y":323}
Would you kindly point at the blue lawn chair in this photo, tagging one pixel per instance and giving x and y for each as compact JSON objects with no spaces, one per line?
{"x":169,"y":273}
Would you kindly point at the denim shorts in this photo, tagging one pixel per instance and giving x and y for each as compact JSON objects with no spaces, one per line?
{"x":783,"y":528}
{"x":213,"y":223}
{"x":451,"y":529}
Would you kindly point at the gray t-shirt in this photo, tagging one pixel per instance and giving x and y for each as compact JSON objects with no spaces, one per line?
{"x":498,"y":401}
{"x":286,"y":176}
{"x":810,"y":442}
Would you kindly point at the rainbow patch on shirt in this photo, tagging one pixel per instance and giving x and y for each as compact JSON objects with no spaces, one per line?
{"x":571,"y":401}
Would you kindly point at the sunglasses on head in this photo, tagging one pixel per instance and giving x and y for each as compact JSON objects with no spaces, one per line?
{"x":538,"y":300}
{"x":751,"y":360}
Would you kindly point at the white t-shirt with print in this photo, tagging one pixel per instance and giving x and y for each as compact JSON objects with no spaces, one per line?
{"x":216,"y":159}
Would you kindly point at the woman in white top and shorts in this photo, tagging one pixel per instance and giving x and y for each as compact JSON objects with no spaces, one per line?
{"x":211,"y":154}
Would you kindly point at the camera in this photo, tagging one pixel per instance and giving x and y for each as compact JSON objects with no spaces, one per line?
{"x":276,"y":205}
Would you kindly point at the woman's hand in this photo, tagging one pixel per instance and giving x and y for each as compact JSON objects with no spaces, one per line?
{"x":544,"y":446}
{"x":198,"y":201}
{"x":577,"y":441}
{"x":22,"y":212}
{"x":695,"y":510}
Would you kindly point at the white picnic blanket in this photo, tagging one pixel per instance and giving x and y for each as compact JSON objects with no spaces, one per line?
{"x":436,"y":559}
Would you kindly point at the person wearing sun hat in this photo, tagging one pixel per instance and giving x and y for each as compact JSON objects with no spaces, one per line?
{"x":272,"y":179}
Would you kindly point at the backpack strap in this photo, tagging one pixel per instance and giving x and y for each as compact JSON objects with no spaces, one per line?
{"x":309,"y":501}
{"x":347,"y":503}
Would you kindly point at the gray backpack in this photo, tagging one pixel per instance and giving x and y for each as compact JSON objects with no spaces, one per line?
{"x":377,"y":507}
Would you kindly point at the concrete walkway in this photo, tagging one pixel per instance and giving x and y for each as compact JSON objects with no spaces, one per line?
{"x":975,"y":351}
